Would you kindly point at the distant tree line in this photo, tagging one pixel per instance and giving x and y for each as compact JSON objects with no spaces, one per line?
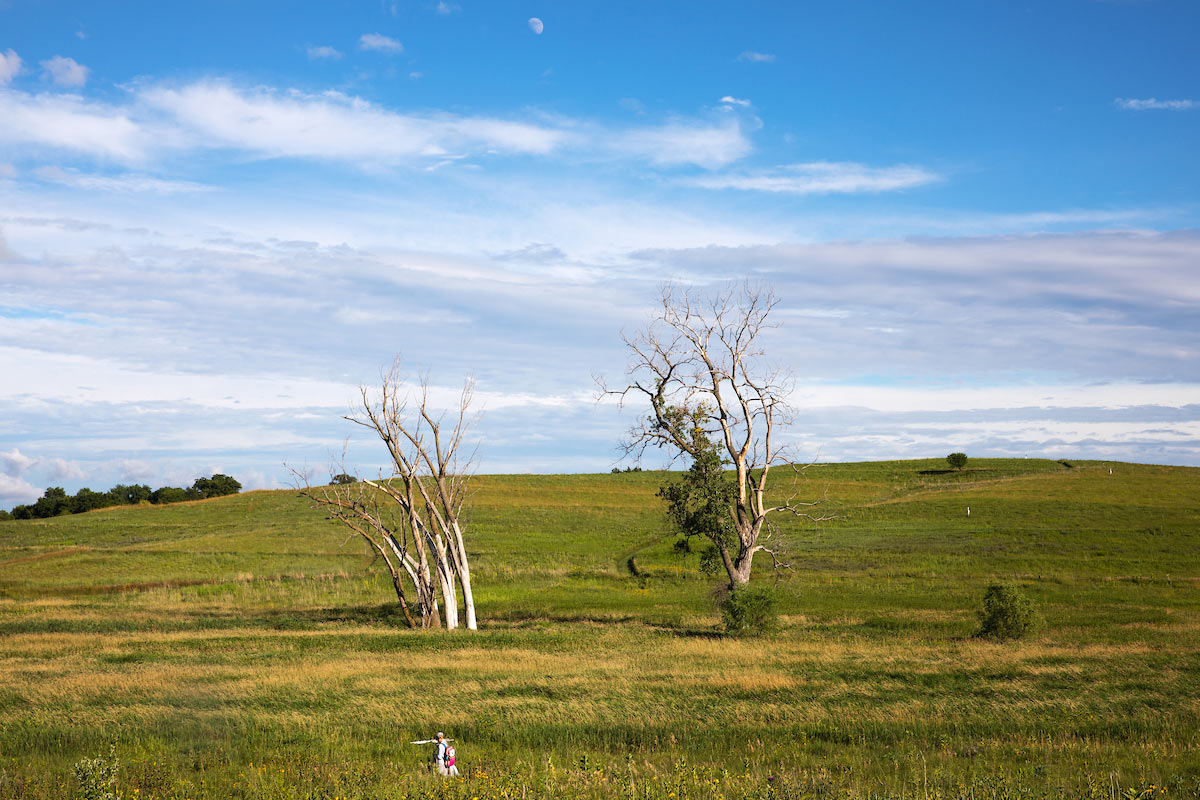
{"x":56,"y":501}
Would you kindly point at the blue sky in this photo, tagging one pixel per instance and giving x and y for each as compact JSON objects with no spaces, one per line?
{"x":217,"y":219}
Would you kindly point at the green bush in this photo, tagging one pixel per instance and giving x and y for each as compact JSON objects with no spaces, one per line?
{"x":750,"y":611}
{"x":957,"y":460}
{"x":1008,"y":614}
{"x":98,"y":777}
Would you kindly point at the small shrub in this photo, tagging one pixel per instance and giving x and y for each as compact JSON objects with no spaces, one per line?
{"x":682,"y":546}
{"x":98,"y":777}
{"x":957,"y":460}
{"x":750,"y":611}
{"x":1008,"y":614}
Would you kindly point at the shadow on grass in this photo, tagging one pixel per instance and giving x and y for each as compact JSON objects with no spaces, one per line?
{"x":387,"y":614}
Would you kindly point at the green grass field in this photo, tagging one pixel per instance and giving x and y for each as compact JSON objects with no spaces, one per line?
{"x":242,"y":647}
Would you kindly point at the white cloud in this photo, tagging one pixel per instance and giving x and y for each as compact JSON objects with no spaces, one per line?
{"x":7,"y":170}
{"x":15,"y":491}
{"x":64,"y":71}
{"x":105,"y":381}
{"x":734,"y":101}
{"x":1101,"y":318}
{"x":10,"y":65}
{"x":685,"y":142}
{"x":1152,"y":104}
{"x":379,"y":42}
{"x":447,"y":8}
{"x":758,"y":58}
{"x":70,"y":122}
{"x":128,"y":182}
{"x":162,"y":120}
{"x":332,"y":125}
{"x":948,"y":399}
{"x":60,"y":470}
{"x":391,"y":315}
{"x":323,"y":52}
{"x":16,"y":462}
{"x":822,"y":177}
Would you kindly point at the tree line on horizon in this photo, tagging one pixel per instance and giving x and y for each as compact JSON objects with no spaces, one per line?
{"x":55,"y":501}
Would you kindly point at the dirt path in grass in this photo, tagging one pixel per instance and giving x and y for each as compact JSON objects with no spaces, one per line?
{"x":41,"y":556}
{"x":921,"y":492}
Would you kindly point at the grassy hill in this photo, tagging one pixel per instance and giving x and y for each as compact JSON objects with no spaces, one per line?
{"x":242,"y":647}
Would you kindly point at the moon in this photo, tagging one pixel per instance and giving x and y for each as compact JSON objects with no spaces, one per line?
{"x":536,"y":25}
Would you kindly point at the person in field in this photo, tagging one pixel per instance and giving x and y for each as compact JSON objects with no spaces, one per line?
{"x":443,"y":757}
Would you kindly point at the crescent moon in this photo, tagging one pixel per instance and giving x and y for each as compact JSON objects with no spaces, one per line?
{"x":536,"y":25}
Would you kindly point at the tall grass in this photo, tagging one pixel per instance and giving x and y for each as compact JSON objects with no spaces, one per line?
{"x":242,"y":647}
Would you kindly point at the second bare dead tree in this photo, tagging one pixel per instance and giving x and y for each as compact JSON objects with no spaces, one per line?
{"x":699,"y":364}
{"x":411,"y":518}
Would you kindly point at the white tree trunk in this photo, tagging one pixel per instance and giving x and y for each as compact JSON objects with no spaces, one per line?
{"x":411,"y":518}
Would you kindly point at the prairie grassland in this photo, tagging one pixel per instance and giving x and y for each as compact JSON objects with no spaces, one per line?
{"x":242,"y":648}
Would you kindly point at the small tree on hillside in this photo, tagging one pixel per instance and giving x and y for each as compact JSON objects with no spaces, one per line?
{"x":957,"y":460}
{"x":698,"y":364}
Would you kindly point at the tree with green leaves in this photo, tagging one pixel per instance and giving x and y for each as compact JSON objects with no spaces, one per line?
{"x":698,"y":504}
{"x":217,"y":486}
{"x":131,"y":494}
{"x":87,"y":500}
{"x":957,"y":460}
{"x":54,"y":501}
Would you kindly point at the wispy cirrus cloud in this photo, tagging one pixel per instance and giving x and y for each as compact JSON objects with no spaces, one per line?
{"x":65,"y":71}
{"x":379,"y":43}
{"x":79,"y":125}
{"x":822,"y":177}
{"x":275,"y":124}
{"x":1154,"y":104}
{"x":262,"y":122}
{"x":125,"y":182}
{"x":706,"y":145}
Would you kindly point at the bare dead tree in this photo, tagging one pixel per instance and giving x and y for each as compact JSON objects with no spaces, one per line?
{"x":411,"y":517}
{"x":700,"y":366}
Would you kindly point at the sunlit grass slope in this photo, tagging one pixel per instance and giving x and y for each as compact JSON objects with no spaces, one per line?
{"x":244,"y":647}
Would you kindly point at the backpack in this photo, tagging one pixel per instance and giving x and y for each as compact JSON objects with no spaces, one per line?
{"x":449,"y":755}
